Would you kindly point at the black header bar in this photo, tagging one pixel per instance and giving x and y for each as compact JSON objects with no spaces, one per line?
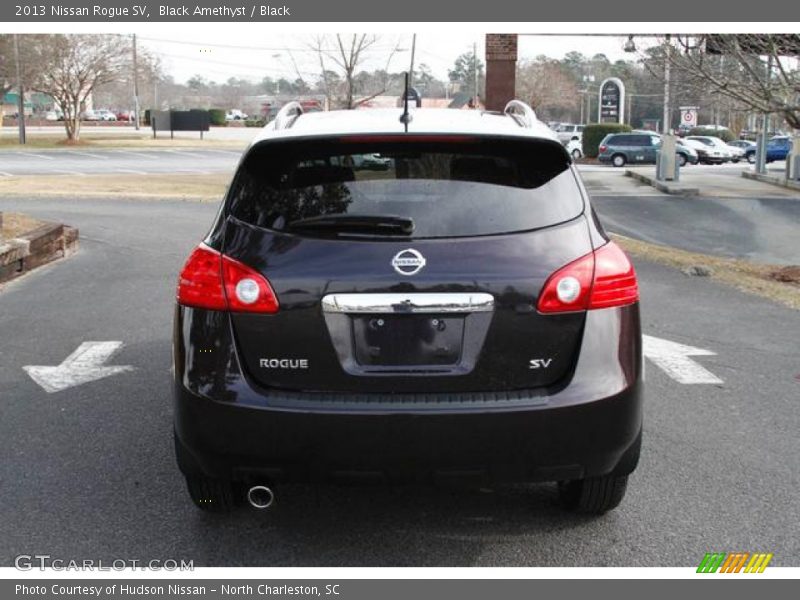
{"x":516,"y":11}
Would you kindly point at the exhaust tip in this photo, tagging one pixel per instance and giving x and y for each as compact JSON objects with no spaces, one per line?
{"x":260,"y":497}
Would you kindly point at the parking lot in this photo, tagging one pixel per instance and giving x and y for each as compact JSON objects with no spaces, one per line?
{"x":89,"y":469}
{"x":98,"y":161}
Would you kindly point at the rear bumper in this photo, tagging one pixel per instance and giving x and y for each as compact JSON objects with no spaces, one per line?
{"x":248,"y":444}
{"x":588,"y":427}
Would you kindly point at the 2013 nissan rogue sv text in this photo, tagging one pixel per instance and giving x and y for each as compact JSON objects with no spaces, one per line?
{"x":411,"y":299}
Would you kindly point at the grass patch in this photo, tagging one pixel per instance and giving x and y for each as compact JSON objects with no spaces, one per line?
{"x":183,"y":186}
{"x":16,"y":224}
{"x":754,"y":278}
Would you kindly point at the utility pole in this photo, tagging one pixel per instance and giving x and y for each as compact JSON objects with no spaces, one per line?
{"x":588,"y":105}
{"x":761,"y":149}
{"x":411,"y":68}
{"x":630,"y":109}
{"x":665,"y":127}
{"x":135,"y":86}
{"x":475,"y":67}
{"x":20,"y":93}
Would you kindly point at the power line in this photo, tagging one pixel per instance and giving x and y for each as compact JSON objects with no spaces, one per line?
{"x":237,"y":47}
{"x":260,"y":67}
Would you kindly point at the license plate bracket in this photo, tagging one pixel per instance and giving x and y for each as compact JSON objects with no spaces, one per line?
{"x":407,"y":340}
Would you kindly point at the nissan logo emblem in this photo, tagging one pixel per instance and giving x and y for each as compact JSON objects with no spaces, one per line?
{"x":408,"y":262}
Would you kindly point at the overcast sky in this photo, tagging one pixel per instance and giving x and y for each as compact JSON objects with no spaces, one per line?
{"x":252,"y":56}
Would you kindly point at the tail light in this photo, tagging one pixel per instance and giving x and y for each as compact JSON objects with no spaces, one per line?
{"x":603,"y":148}
{"x":211,"y":280}
{"x":601,"y":279}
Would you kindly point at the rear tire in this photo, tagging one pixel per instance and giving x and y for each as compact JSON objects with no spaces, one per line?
{"x":682,"y":160}
{"x":593,"y":495}
{"x":618,"y":160}
{"x":210,"y":495}
{"x":751,"y":158}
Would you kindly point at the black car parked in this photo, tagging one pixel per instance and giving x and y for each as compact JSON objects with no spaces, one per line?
{"x":459,"y":312}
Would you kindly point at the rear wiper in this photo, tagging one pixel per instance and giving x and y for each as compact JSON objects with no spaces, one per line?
{"x":366,"y":224}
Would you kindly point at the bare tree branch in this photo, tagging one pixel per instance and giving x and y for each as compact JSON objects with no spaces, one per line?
{"x":71,"y":67}
{"x":756,"y":73}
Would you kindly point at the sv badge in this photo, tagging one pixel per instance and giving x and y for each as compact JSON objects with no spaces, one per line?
{"x":540,"y":363}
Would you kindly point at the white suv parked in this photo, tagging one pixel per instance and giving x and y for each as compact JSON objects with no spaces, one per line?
{"x":569,"y":131}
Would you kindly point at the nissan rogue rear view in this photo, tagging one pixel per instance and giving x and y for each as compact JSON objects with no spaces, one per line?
{"x":409,"y":300}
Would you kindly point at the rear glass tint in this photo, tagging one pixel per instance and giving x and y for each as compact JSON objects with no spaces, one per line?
{"x":449,"y":187}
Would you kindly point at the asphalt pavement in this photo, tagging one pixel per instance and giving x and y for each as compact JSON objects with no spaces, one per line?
{"x":105,"y":161}
{"x":765,"y":230}
{"x":89,"y":472}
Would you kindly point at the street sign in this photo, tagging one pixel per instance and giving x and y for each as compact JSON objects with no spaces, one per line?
{"x":611,"y":107}
{"x":689,"y":116}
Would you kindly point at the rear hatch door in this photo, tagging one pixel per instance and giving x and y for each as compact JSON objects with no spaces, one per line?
{"x":407,"y":264}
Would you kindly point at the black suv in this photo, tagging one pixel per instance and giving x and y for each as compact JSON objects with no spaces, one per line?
{"x":409,"y":301}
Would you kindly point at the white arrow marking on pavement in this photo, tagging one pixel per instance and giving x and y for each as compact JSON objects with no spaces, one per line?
{"x":82,"y":366}
{"x":673,"y":359}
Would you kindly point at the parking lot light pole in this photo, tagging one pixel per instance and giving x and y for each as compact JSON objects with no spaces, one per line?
{"x":761,"y":140}
{"x":20,"y":94}
{"x":665,"y":127}
{"x":135,"y":86}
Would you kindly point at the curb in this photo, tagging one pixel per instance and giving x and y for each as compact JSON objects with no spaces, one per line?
{"x":44,"y":244}
{"x":675,"y":189}
{"x":772,"y":179}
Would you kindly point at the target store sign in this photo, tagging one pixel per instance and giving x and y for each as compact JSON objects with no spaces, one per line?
{"x":689,"y":116}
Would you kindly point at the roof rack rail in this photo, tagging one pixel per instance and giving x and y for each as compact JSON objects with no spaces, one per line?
{"x":288,"y":114}
{"x":521,"y":113}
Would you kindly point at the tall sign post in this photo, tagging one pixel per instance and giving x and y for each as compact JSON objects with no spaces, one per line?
{"x":611,"y":105}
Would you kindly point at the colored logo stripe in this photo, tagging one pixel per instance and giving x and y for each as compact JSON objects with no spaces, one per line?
{"x":711,"y":562}
{"x":734,"y":562}
{"x":758,"y":563}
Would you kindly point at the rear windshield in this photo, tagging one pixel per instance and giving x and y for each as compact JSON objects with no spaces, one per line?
{"x":448,"y":187}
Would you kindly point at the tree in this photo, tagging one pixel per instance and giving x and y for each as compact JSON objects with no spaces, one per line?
{"x":8,"y":69}
{"x":7,"y":75}
{"x":548,"y":87}
{"x":198,"y":84}
{"x":71,"y":66}
{"x":463,"y":71}
{"x":427,"y":82}
{"x":757,"y":72}
{"x":345,"y":54}
{"x":233,"y":91}
{"x":118,"y":94}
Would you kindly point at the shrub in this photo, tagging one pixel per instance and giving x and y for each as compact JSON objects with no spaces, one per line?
{"x":594,"y":134}
{"x":255,"y":123}
{"x":724,"y":134}
{"x":216,"y":116}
